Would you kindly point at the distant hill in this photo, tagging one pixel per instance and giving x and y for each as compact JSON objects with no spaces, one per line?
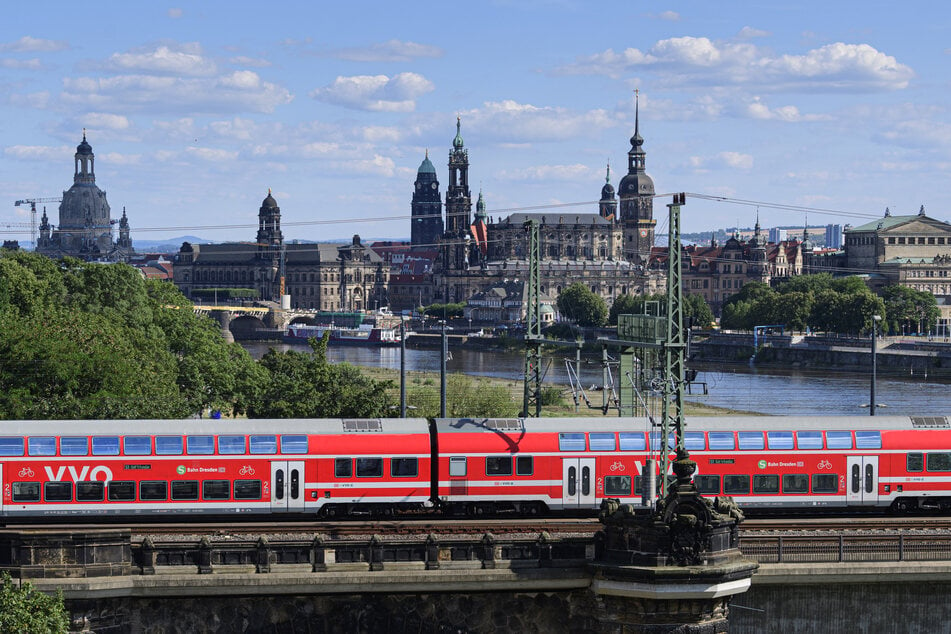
{"x":168,"y":245}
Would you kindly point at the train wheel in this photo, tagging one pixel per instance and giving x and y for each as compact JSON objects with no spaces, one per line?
{"x":902,"y":506}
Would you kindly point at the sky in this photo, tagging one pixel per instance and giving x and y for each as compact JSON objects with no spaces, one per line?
{"x":821,"y":111}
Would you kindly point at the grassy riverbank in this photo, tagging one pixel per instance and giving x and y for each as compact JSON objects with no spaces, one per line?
{"x":501,"y":397}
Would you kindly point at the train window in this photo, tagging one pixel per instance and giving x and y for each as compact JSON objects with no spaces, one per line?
{"x":524,"y":465}
{"x":617,"y":485}
{"x":809,"y":439}
{"x":263,"y":444}
{"x":572,"y":480}
{"x":74,"y":446}
{"x":498,"y":465}
{"x":58,"y":491}
{"x":168,"y":445}
{"x":938,"y":461}
{"x":153,"y":491}
{"x":736,"y":484}
{"x":11,"y":446}
{"x":708,"y":484}
{"x":638,"y":485}
{"x":868,"y":439}
{"x":779,"y":439}
{"x":247,"y":489}
{"x":721,"y":440}
{"x":90,"y":491}
{"x":570,"y":442}
{"x":601,"y":441}
{"x":655,"y":441}
{"x":751,"y":440}
{"x":343,"y":468}
{"x":41,"y":446}
{"x":293,"y":444}
{"x":795,"y":483}
{"x":137,"y":445}
{"x":230,"y":445}
{"x":369,"y":467}
{"x":695,"y":441}
{"x":26,"y":491}
{"x":181,"y":490}
{"x":766,"y":484}
{"x":632,"y":441}
{"x":200,"y":445}
{"x":105,"y":445}
{"x":915,"y":462}
{"x":215,"y":490}
{"x":404,"y":467}
{"x":457,"y":467}
{"x":839,"y":439}
{"x":825,"y":483}
{"x":121,"y":491}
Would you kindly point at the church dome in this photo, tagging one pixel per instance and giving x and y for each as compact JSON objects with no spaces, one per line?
{"x":457,"y":141}
{"x":426,"y":167}
{"x":607,"y":191}
{"x":269,"y":201}
{"x":84,"y":147}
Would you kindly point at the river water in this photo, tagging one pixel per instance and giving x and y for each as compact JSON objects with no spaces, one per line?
{"x":794,"y":393}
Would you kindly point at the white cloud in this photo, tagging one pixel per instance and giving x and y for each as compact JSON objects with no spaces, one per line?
{"x":27,"y":44}
{"x":390,"y":51}
{"x":115,"y":158}
{"x":39,"y":152}
{"x":515,"y":122}
{"x":757,"y":109}
{"x":699,"y":61}
{"x":237,"y":128}
{"x":378,"y":165}
{"x":576,"y":172}
{"x":175,"y":13}
{"x":748,"y":33}
{"x":255,"y":62}
{"x":241,"y":91}
{"x":184,"y":60}
{"x":20,"y":64}
{"x":213,"y":155}
{"x":735,"y":160}
{"x":378,"y":93}
{"x":670,"y":16}
{"x":105,"y":121}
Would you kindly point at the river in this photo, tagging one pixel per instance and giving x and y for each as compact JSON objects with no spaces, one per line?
{"x":794,"y":393}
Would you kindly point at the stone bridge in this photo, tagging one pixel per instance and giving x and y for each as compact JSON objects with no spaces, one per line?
{"x":247,"y":322}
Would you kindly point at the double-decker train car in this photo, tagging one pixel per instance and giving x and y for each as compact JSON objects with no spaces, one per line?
{"x":132,"y":467}
{"x":337,"y":467}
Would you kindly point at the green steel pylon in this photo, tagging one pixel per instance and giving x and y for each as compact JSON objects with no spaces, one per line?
{"x":672,"y":411}
{"x":532,"y":401}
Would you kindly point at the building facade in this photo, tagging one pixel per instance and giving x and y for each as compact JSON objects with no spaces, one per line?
{"x":85,"y":219}
{"x":318,"y":276}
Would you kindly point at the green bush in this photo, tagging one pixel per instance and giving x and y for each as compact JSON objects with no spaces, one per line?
{"x":23,"y":609}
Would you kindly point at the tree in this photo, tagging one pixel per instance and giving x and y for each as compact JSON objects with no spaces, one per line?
{"x":25,"y":610}
{"x":582,"y":306}
{"x":697,"y":310}
{"x":635,"y":305}
{"x":908,"y":310}
{"x":301,"y":385}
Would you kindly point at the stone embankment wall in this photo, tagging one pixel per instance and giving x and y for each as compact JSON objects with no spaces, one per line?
{"x":894,"y":356}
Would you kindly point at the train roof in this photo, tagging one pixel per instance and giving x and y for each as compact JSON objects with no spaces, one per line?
{"x":196,"y":426}
{"x":693,"y":423}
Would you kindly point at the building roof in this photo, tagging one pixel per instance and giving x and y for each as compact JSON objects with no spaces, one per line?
{"x":557,"y":219}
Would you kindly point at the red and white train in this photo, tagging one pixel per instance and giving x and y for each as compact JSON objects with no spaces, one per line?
{"x":337,"y":466}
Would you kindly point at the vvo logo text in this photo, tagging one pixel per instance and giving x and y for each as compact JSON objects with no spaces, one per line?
{"x":83,"y":474}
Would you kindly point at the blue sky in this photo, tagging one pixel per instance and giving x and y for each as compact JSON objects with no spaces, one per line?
{"x":196,"y":109}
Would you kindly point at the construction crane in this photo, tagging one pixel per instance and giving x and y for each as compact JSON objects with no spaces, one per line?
{"x":32,"y":202}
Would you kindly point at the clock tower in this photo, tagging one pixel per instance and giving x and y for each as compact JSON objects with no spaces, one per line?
{"x":427,"y":207}
{"x":458,"y":203}
{"x":636,"y":192}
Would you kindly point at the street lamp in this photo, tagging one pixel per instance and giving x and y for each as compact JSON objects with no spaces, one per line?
{"x":871,"y":403}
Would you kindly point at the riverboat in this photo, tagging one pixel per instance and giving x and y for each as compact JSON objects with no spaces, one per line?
{"x":363,"y":335}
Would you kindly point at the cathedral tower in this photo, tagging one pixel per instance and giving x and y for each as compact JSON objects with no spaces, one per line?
{"x":636,"y":190}
{"x":607,"y":206}
{"x":427,"y":207}
{"x":458,"y":203}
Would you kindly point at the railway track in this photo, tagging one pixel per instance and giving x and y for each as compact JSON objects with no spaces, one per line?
{"x":497,"y":526}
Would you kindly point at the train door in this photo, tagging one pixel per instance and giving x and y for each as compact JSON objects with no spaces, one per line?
{"x":287,"y":485}
{"x":862,"y":480}
{"x":578,"y":482}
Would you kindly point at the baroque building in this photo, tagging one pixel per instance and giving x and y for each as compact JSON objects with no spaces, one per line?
{"x":318,"y":276}
{"x":85,"y":221}
{"x":607,"y":250}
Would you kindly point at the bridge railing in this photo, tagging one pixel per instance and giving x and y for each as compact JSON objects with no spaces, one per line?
{"x":872,"y":547}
